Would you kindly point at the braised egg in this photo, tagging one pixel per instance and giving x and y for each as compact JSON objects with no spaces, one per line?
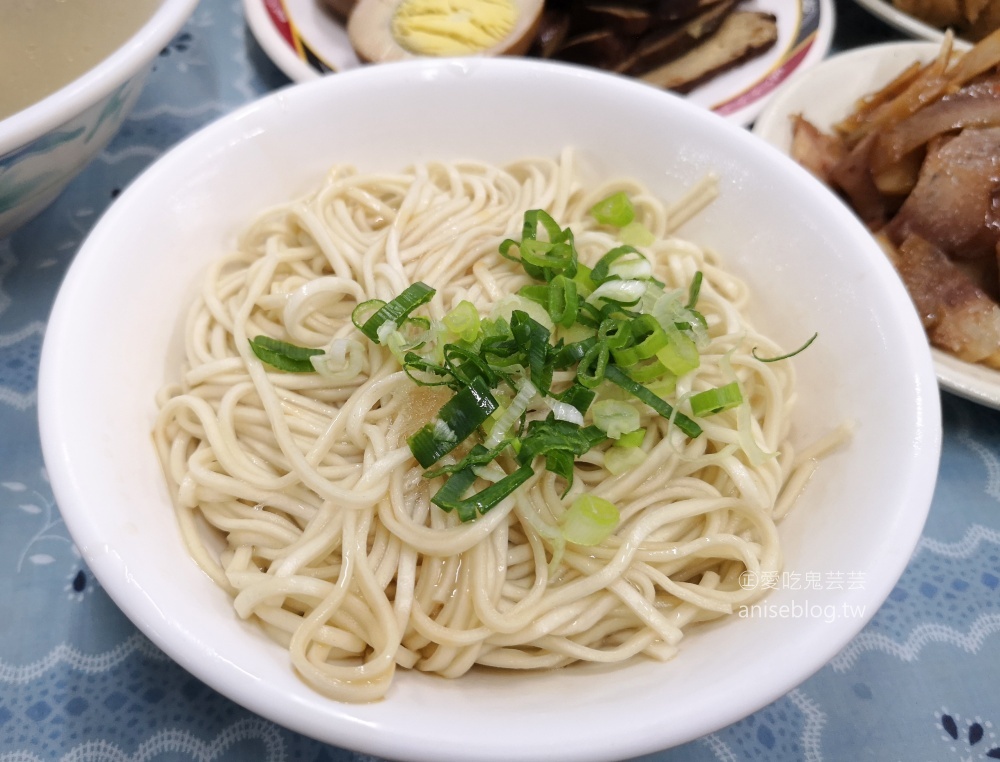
{"x":390,"y":30}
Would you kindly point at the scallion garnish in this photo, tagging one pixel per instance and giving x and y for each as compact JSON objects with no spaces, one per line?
{"x":543,"y":258}
{"x":559,"y":442}
{"x":680,"y":354}
{"x":578,"y":396}
{"x":615,"y":417}
{"x":636,"y":234}
{"x":284,"y":356}
{"x":617,"y":376}
{"x":615,"y":210}
{"x":610,"y":324}
{"x":396,"y":310}
{"x":450,"y":496}
{"x":563,"y":301}
{"x":590,"y":520}
{"x":784,"y":357}
{"x":695,"y":290}
{"x":601,"y":271}
{"x":618,"y":459}
{"x":456,"y":420}
{"x":712,"y":401}
{"x":463,"y":321}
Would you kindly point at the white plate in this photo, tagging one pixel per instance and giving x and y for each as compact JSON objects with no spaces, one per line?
{"x":904,"y":22}
{"x":821,"y":95}
{"x":306,"y":42}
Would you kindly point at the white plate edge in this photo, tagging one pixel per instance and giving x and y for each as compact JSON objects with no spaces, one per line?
{"x":976,"y":383}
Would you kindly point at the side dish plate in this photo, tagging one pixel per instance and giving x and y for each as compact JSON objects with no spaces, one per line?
{"x":305,"y":42}
{"x":827,"y":93}
{"x":904,"y":22}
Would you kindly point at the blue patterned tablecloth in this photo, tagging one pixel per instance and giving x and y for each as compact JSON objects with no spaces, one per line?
{"x":79,"y":682}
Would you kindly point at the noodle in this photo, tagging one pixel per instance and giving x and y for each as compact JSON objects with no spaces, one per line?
{"x":329,"y":539}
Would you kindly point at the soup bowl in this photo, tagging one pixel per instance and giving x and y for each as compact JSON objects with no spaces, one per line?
{"x":807,"y":261}
{"x":45,"y":145}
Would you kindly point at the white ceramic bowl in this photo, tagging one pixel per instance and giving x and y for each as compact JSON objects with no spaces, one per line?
{"x":811,"y":266}
{"x":826,"y":94}
{"x":45,"y":145}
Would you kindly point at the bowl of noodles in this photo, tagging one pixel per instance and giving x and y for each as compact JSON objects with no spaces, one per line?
{"x":489,"y":410}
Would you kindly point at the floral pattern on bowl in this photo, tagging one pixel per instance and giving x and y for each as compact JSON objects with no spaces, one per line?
{"x":31,"y":176}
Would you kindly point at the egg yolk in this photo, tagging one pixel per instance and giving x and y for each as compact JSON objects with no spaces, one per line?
{"x":452,"y":27}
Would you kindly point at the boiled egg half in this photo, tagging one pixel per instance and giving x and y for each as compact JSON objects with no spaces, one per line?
{"x":391,"y":30}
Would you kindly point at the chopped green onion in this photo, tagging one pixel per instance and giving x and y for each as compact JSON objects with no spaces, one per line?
{"x":456,"y":420}
{"x":532,"y":339}
{"x":615,"y":210}
{"x":636,"y":234}
{"x":615,"y":417}
{"x":618,"y":459}
{"x":542,"y":259}
{"x":615,"y":333}
{"x":413,"y":333}
{"x":613,"y":323}
{"x":465,"y":365}
{"x":695,"y":290}
{"x":526,"y":393}
{"x":545,"y":436}
{"x":463,"y":321}
{"x":632,"y":267}
{"x":570,"y":354}
{"x":478,"y":456}
{"x":632,"y":438}
{"x":505,"y":308}
{"x":593,"y":365}
{"x":617,"y":376}
{"x":664,"y":386}
{"x":649,"y":338}
{"x":589,"y":520}
{"x":626,"y":453}
{"x":563,"y":411}
{"x":582,"y":278}
{"x":626,"y":292}
{"x":536,"y":292}
{"x":563,"y":301}
{"x":284,"y":356}
{"x":365,"y":310}
{"x":602,"y":269}
{"x":559,"y":442}
{"x":716,"y":400}
{"x":436,"y":375}
{"x":680,"y":354}
{"x":450,"y":496}
{"x":673,"y":316}
{"x":395,"y":311}
{"x":785,"y":357}
{"x":578,"y":396}
{"x":648,"y":371}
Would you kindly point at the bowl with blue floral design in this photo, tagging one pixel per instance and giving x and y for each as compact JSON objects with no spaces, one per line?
{"x":55,"y":119}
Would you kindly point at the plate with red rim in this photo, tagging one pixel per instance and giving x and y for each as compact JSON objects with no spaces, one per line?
{"x":828,"y":93}
{"x":305,"y":42}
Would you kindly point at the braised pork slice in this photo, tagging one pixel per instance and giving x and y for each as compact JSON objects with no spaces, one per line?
{"x":956,"y":202}
{"x":957,"y":315}
{"x":742,"y":36}
{"x":815,"y":150}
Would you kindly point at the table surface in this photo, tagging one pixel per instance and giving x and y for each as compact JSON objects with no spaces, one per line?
{"x":79,"y":682}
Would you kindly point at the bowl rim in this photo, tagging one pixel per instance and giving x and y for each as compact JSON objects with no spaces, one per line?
{"x":916,"y":493}
{"x":24,"y":126}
